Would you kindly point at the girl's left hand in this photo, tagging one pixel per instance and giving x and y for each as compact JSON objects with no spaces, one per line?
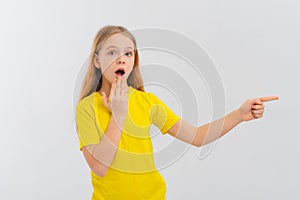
{"x":254,"y":108}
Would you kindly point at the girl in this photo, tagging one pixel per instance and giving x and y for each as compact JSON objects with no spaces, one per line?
{"x":114,"y":115}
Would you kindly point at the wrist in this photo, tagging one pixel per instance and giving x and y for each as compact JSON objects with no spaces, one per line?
{"x":119,"y":120}
{"x":238,"y":115}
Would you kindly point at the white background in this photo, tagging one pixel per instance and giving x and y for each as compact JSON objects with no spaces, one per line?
{"x":254,"y":44}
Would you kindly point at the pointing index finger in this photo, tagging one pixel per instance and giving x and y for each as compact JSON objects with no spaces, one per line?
{"x":269,"y":98}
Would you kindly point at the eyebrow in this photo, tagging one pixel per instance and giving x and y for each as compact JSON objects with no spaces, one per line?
{"x":112,"y":46}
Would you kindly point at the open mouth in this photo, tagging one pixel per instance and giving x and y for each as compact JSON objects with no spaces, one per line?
{"x":120,"y":72}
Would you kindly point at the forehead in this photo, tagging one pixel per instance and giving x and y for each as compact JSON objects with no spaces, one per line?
{"x":119,"y":40}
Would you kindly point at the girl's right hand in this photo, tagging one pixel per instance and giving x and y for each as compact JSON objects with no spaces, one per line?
{"x":117,"y":103}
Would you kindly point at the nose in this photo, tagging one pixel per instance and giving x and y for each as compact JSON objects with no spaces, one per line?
{"x":121,"y":60}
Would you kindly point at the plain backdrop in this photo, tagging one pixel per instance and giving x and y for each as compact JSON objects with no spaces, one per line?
{"x":254,"y":45}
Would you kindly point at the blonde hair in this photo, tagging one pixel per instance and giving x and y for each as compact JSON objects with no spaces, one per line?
{"x":93,"y":78}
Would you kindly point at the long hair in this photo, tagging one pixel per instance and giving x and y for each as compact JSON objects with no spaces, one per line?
{"x":93,"y":78}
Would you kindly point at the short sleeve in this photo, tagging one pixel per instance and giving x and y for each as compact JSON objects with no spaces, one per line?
{"x":161,"y":115}
{"x":87,"y":130}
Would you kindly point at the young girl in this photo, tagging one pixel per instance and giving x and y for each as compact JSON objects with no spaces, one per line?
{"x":114,"y":115}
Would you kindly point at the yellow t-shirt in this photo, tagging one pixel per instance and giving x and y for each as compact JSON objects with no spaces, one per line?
{"x":132,"y":174}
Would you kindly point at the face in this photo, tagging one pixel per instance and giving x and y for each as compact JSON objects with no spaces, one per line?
{"x":116,"y":57}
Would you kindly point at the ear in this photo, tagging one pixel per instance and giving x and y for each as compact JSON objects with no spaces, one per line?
{"x":97,"y":61}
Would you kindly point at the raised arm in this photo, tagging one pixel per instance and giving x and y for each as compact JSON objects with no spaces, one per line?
{"x":198,"y":136}
{"x":99,"y":156}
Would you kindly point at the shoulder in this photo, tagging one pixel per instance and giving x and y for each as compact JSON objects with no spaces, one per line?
{"x":88,"y":102}
{"x":146,"y":97}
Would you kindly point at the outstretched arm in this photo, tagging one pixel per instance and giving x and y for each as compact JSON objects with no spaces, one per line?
{"x":198,"y":136}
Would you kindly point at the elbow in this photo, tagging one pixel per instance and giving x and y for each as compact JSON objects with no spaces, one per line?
{"x":196,"y":144}
{"x":199,"y":138}
{"x":100,"y":170}
{"x":201,"y":142}
{"x":100,"y":173}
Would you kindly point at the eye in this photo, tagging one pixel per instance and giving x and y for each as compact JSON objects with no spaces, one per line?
{"x":129,"y":53}
{"x":112,"y":53}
